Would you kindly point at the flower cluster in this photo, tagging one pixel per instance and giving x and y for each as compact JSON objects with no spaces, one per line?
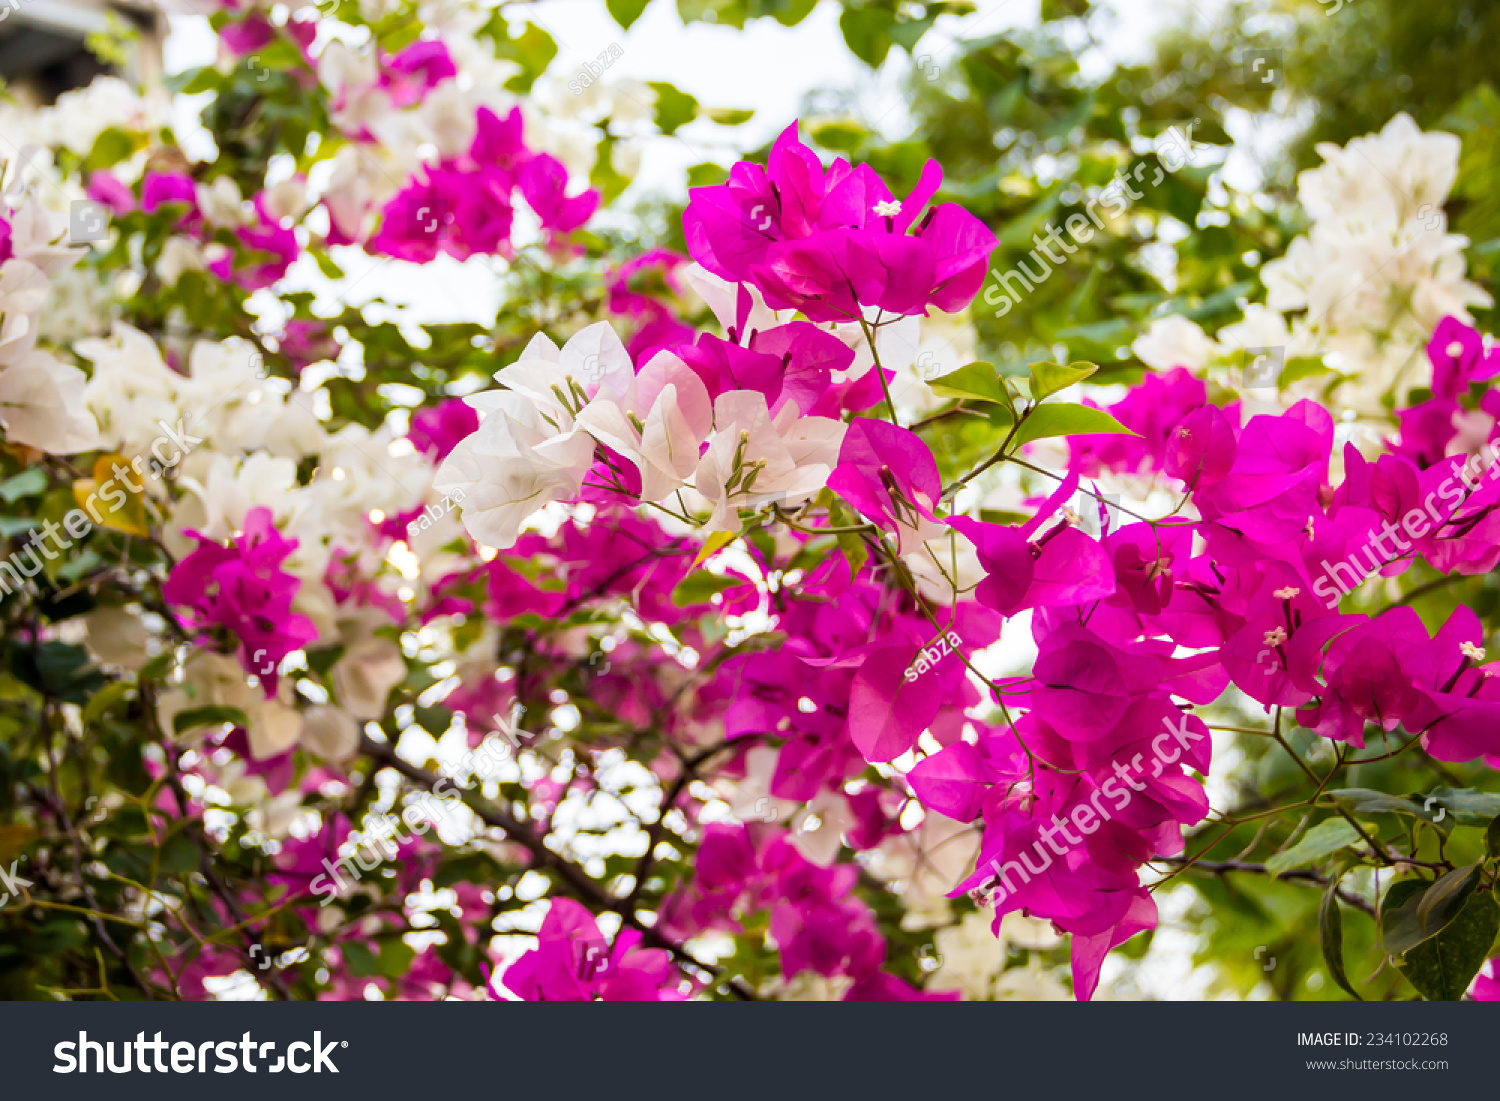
{"x":724,"y":647}
{"x":243,"y":590}
{"x":1363,"y":290}
{"x":41,"y":402}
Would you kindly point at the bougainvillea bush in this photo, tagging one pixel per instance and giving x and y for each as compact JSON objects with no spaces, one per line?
{"x":712,"y":620}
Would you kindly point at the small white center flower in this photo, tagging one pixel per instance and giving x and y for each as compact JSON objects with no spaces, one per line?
{"x":1469,"y":650}
{"x":1275,"y":636}
{"x":1288,"y":593}
{"x":888,"y":210}
{"x":1455,"y":349}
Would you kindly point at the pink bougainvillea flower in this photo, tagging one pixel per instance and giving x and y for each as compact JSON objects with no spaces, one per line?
{"x":1064,"y":566}
{"x":889,"y":474}
{"x":106,"y":188}
{"x":573,"y":962}
{"x":416,"y":70}
{"x":830,"y":242}
{"x":887,"y":710}
{"x":305,"y":341}
{"x":1152,"y":410}
{"x":544,"y":184}
{"x":437,"y":429}
{"x":1200,"y":448}
{"x":159,"y":189}
{"x":499,"y":142}
{"x":243,"y":590}
{"x":1459,"y":355}
{"x":267,"y":236}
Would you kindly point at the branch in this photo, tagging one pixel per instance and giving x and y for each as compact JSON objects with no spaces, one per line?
{"x":582,"y":884}
{"x":1223,"y":867}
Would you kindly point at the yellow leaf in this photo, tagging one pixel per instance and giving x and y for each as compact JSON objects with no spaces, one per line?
{"x":716,"y":542}
{"x":13,"y":839}
{"x":118,"y":499}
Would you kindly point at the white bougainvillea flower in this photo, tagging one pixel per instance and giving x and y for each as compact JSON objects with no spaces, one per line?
{"x":722,"y":297}
{"x":517,"y":463}
{"x":41,"y":405}
{"x":755,"y":460}
{"x":370,"y":667}
{"x":34,"y":240}
{"x":217,"y":680}
{"x":1174,"y":341}
{"x":23,"y":291}
{"x":330,"y":732}
{"x":658,"y":424}
{"x":561,"y":381}
{"x":132,"y":389}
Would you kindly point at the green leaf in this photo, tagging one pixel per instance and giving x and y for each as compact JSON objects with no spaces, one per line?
{"x":700,"y":586}
{"x":1325,"y":838}
{"x":1444,"y":899}
{"x":855,"y":551}
{"x":212,"y":715}
{"x":111,"y":147}
{"x":85,"y":563}
{"x":791,"y":12}
{"x":533,"y":50}
{"x":1415,"y":910}
{"x":25,"y":484}
{"x":435,"y":719}
{"x":1368,"y":801}
{"x":706,"y":174}
{"x":674,"y":109}
{"x":1063,"y":9}
{"x":1067,"y":419}
{"x":843,"y":135}
{"x":728,"y":13}
{"x":1442,"y":967}
{"x":1301,"y":367}
{"x":325,"y":264}
{"x":1398,"y":915}
{"x":1048,"y":378}
{"x":729,"y":116}
{"x":105,"y":699}
{"x":867,"y":32}
{"x":625,"y":12}
{"x":323,"y":659}
{"x":157,"y":667}
{"x":978,"y":381}
{"x":179,"y":855}
{"x":1492,"y":838}
{"x":1331,"y":933}
{"x":1466,"y":806}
